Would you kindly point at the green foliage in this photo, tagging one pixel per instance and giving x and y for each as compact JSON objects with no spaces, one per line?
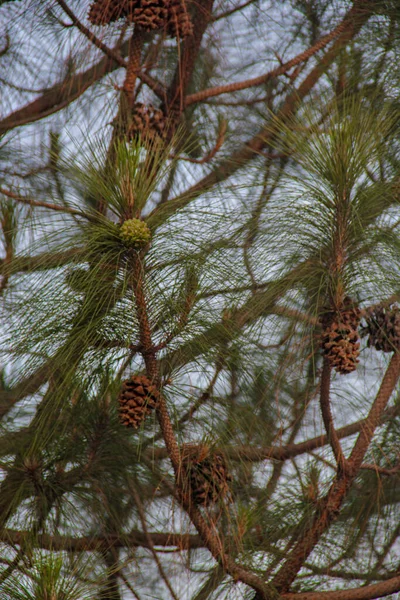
{"x":46,"y":579}
{"x":253,"y":236}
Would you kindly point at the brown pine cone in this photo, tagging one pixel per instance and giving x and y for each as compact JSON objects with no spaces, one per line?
{"x":206,"y":473}
{"x":179,"y":23}
{"x":137,"y":399}
{"x":151,"y":14}
{"x":383,"y":328}
{"x":339,"y":340}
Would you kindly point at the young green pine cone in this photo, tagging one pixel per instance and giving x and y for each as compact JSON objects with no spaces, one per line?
{"x":135,"y":233}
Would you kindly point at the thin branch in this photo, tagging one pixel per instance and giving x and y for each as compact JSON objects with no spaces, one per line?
{"x":111,"y":53}
{"x":210,"y":155}
{"x":381,"y":470}
{"x":38,"y":203}
{"x":230,"y":12}
{"x":142,"y":517}
{"x":129,"y":586}
{"x":282,"y":453}
{"x":261,"y":79}
{"x":39,"y":262}
{"x":6,"y":46}
{"x":325,"y":404}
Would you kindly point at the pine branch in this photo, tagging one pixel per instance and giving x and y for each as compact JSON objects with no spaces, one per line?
{"x":286,"y":452}
{"x":62,"y":94}
{"x":111,"y":53}
{"x":95,"y":543}
{"x":281,"y":70}
{"x":354,"y":21}
{"x":210,"y":539}
{"x":331,"y":432}
{"x":367,"y":592}
{"x":330,"y":506}
{"x":40,"y":204}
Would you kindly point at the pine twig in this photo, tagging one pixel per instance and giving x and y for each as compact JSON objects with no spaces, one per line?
{"x":142,"y":518}
{"x":91,"y":36}
{"x":210,"y":155}
{"x":327,"y":417}
{"x":38,"y":203}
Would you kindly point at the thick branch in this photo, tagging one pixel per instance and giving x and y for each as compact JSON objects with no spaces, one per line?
{"x":329,"y":507}
{"x":62,"y":94}
{"x":372,"y":421}
{"x":94,"y":543}
{"x":190,"y":50}
{"x":59,"y":96}
{"x":368,"y":592}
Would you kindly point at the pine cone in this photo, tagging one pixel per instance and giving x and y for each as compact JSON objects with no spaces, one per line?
{"x":137,"y":399}
{"x":104,"y":12}
{"x":148,"y":122}
{"x":206,"y":473}
{"x":135,"y":233}
{"x":383,"y":328}
{"x":179,"y":23}
{"x":340,"y":337}
{"x":151,"y":14}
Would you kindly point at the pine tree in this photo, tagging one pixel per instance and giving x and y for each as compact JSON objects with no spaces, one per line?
{"x":200,"y":300}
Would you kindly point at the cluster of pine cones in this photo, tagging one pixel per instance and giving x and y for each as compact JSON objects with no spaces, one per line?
{"x":204,"y":471}
{"x":168,"y":15}
{"x":340,"y":333}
